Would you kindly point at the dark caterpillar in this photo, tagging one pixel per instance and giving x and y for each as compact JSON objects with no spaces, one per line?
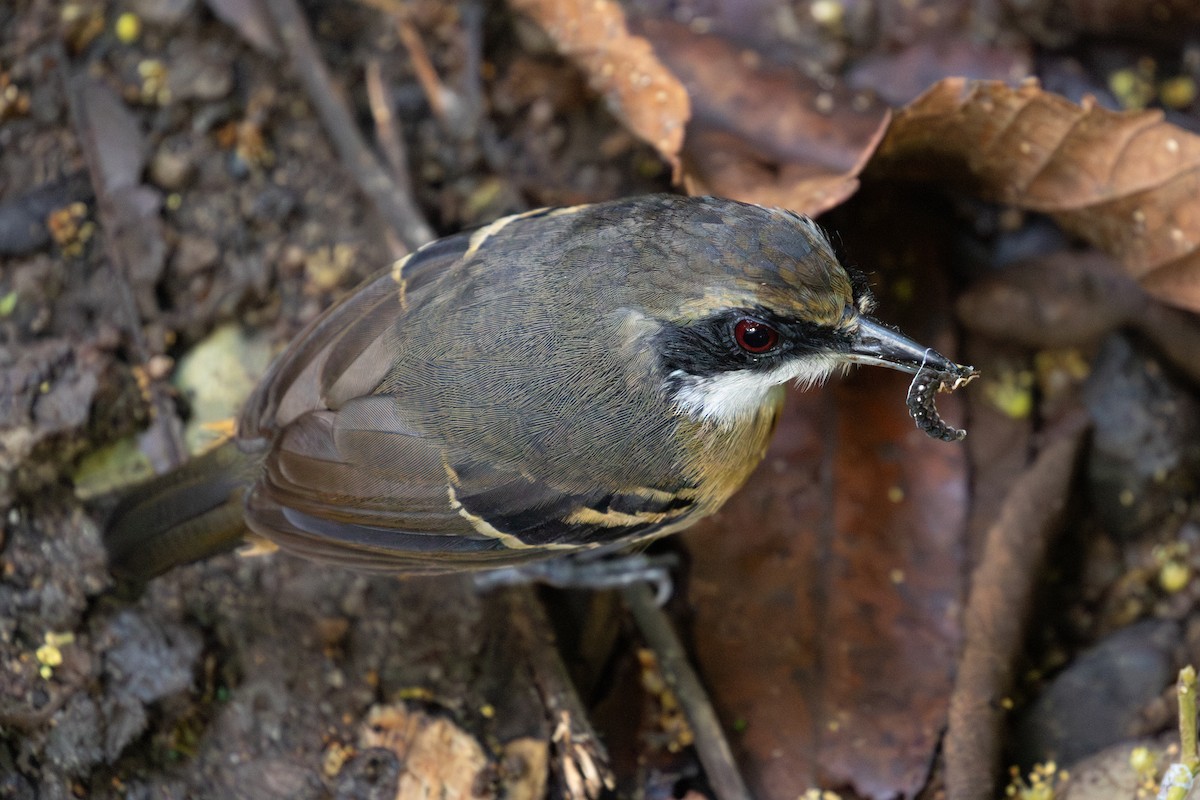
{"x":921,"y":399}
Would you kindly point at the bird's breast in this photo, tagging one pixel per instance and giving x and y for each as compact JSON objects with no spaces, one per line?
{"x":722,"y":456}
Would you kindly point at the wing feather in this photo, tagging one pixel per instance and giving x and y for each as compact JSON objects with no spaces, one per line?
{"x":369,"y":492}
{"x":349,"y":478}
{"x":342,"y":354}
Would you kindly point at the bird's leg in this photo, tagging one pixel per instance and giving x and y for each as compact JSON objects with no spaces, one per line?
{"x":594,"y":569}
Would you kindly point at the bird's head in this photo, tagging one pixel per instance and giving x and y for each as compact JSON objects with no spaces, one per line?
{"x":771,"y":305}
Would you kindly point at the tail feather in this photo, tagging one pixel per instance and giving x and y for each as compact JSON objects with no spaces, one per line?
{"x":183,"y":516}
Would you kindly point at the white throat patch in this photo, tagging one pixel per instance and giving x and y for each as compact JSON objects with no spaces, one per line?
{"x":729,"y":397}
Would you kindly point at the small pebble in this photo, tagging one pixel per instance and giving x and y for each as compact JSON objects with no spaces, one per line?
{"x":170,"y":170}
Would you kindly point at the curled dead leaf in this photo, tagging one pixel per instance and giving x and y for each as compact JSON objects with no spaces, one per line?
{"x":1128,"y":183}
{"x":998,"y":605}
{"x":766,"y":133}
{"x":721,"y":163}
{"x":622,"y":67}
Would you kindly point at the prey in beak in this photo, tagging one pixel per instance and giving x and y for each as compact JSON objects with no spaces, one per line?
{"x":877,"y":345}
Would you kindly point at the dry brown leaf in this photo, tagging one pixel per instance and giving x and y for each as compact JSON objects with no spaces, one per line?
{"x":620,"y":66}
{"x":721,"y":163}
{"x":437,"y":758}
{"x":825,"y":602}
{"x":763,"y":133}
{"x":526,"y":767}
{"x":998,"y":607}
{"x":826,"y":591}
{"x":1129,"y":183}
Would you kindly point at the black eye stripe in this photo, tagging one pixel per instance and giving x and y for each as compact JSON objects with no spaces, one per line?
{"x":709,"y":346}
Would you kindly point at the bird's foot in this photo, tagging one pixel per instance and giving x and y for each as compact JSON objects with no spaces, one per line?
{"x":608,"y":572}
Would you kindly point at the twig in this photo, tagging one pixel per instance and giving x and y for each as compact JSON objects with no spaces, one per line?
{"x":386,"y":131}
{"x":472,"y":94}
{"x":422,"y":65}
{"x":397,"y":207}
{"x":472,"y":14}
{"x":711,"y":745}
{"x":582,"y":757}
{"x":418,"y":55}
{"x":1180,"y":777}
{"x":1186,"y":688}
{"x":1179,"y":780}
{"x":388,"y":138}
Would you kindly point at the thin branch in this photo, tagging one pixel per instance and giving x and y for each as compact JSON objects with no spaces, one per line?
{"x":582,"y":759}
{"x":1186,"y":687}
{"x":711,"y":745}
{"x":396,"y":206}
{"x":387,"y":133}
{"x":422,"y":65}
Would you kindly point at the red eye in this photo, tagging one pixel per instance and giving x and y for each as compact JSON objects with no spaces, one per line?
{"x":754,"y":336}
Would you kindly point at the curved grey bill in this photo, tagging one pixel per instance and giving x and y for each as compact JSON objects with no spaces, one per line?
{"x":877,"y":345}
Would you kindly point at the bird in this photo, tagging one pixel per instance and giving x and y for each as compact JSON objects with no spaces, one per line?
{"x":559,"y":384}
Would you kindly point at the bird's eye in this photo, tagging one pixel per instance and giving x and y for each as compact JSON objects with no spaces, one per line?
{"x":755,"y":336}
